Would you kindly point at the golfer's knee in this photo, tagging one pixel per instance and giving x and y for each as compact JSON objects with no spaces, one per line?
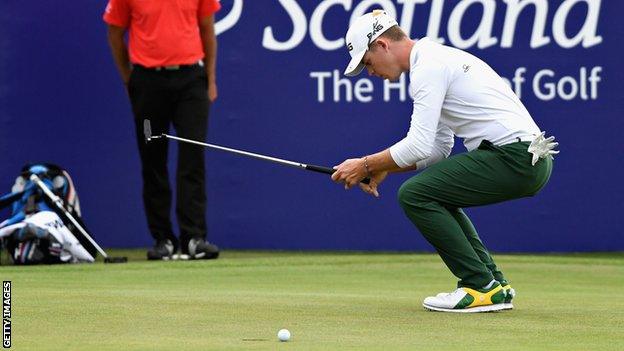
{"x":409,"y":195}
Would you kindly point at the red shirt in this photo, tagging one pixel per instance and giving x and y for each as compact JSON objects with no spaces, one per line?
{"x":161,"y":32}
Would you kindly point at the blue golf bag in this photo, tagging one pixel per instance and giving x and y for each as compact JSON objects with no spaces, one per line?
{"x":37,"y":231}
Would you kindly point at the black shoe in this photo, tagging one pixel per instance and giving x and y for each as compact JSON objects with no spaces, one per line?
{"x":163,"y":250}
{"x":199,"y":249}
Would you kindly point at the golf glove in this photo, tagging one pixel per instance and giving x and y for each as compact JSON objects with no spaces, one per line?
{"x":542,"y":147}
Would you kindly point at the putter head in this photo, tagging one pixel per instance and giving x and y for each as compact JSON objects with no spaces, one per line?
{"x":147,"y":130}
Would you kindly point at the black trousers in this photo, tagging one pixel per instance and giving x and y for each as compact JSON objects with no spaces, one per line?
{"x":177,"y":97}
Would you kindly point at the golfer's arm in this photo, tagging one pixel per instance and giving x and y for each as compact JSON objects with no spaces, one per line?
{"x":382,"y":161}
{"x":119,"y":51}
{"x":209,"y":40}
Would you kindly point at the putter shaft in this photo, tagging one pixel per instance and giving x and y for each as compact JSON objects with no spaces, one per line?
{"x":240,"y":152}
{"x":147,"y":130}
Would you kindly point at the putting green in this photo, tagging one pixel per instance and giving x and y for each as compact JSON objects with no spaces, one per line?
{"x":328,"y":301}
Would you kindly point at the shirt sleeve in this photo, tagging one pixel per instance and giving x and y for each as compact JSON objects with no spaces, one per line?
{"x":117,"y":13}
{"x":428,"y":86}
{"x":444,"y":141}
{"x":208,"y":7}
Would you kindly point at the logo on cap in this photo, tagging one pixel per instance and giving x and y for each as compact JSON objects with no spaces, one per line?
{"x":376,"y":28}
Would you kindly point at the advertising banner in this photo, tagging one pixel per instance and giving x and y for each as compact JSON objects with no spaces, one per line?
{"x":282,"y":93}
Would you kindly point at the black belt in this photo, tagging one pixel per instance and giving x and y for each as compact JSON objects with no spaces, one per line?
{"x":167,"y":68}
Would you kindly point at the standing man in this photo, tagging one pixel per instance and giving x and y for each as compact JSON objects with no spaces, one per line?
{"x":454,"y":94}
{"x":168,"y":68}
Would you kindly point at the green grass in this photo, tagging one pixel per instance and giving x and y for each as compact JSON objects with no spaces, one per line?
{"x":329,"y":301}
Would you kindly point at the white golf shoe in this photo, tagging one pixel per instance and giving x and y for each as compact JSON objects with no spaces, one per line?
{"x":466,"y":300}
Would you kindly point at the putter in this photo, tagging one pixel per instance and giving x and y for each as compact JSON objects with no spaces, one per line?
{"x":59,"y":204}
{"x":147,"y":131}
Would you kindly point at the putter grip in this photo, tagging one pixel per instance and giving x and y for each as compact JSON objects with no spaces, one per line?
{"x":328,"y":170}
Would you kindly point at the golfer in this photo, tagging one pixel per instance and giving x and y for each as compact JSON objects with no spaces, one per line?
{"x":169,"y":69}
{"x":454,"y":94}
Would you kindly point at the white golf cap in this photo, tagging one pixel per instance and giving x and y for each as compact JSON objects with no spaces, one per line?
{"x":361,"y":33}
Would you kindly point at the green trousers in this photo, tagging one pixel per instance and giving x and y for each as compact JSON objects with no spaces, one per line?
{"x":433,"y":201}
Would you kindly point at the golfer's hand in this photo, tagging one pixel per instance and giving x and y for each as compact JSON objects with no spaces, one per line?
{"x":350,"y":172}
{"x":375,"y":180}
{"x":212,"y":91}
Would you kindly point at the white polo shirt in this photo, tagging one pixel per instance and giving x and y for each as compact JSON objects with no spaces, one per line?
{"x":456,"y":93}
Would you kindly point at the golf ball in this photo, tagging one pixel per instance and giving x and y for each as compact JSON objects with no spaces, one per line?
{"x":283,"y":335}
